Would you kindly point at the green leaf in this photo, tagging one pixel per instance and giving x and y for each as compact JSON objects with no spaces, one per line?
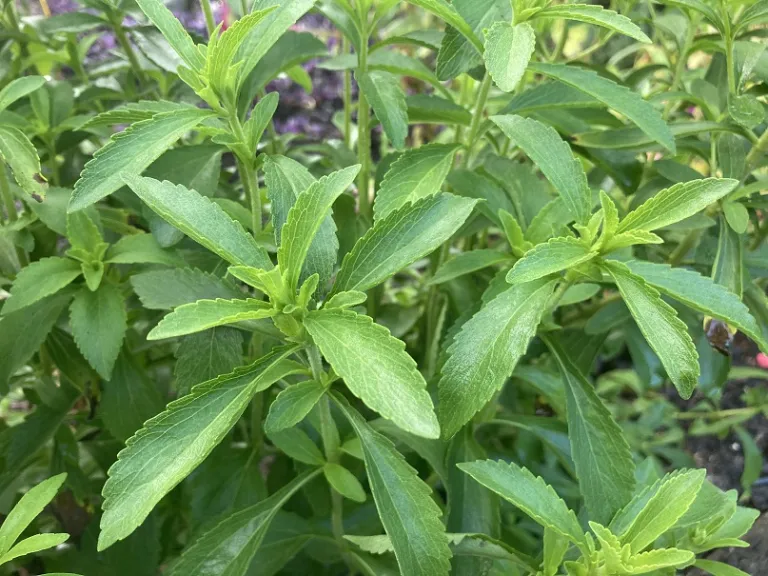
{"x":99,"y":322}
{"x":508,"y":48}
{"x":468,"y":262}
{"x":660,"y":559}
{"x":484,"y":354}
{"x":228,"y":548}
{"x":173,"y":31}
{"x":33,"y":544}
{"x":594,"y":15}
{"x":416,"y":174}
{"x":27,"y":509}
{"x":728,"y":268}
{"x":297,"y":445}
{"x":344,"y":482}
{"x":130,"y":152}
{"x":382,"y":91}
{"x":664,"y":331}
{"x":547,"y":96}
{"x":40,"y":279}
{"x":410,"y":517}
{"x":448,"y":14}
{"x":554,"y":158}
{"x":305,"y":219}
{"x":141,"y":249}
{"x":292,"y":405}
{"x":167,"y":289}
{"x":175,"y":442}
{"x":200,"y":219}
{"x":21,"y":157}
{"x":700,"y":7}
{"x":205,"y":314}
{"x":375,"y":367}
{"x":602,"y":457}
{"x":700,"y":293}
{"x":718,"y":568}
{"x":19,"y":88}
{"x":737,"y":216}
{"x":613,"y":95}
{"x":753,"y":460}
{"x":205,"y":355}
{"x":529,"y":493}
{"x":346,"y":299}
{"x":676,"y":203}
{"x":261,"y":116}
{"x":754,"y":14}
{"x":556,"y":255}
{"x":431,"y":109}
{"x":407,"y":234}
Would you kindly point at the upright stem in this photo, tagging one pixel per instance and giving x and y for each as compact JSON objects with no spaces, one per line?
{"x":252,"y":193}
{"x":363,"y":126}
{"x":210,"y":23}
{"x":729,"y":49}
{"x":477,"y":117}
{"x":347,"y":98}
{"x":122,"y":39}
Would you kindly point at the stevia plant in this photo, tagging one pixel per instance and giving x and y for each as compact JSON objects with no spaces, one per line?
{"x":457,"y":337}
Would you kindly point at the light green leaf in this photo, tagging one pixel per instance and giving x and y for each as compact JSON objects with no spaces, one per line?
{"x":556,"y":255}
{"x":700,"y":293}
{"x":167,"y":289}
{"x":200,"y":219}
{"x":468,"y":262}
{"x":346,"y":299}
{"x":344,"y":482}
{"x":375,"y":367}
{"x":40,"y":279}
{"x":737,"y":216}
{"x":99,"y":322}
{"x":410,"y":517}
{"x":754,"y":14}
{"x":173,"y":31}
{"x":555,"y":547}
{"x":529,"y":493}
{"x":19,"y":88}
{"x":484,"y":354}
{"x":27,"y":509}
{"x":448,"y":14}
{"x":382,"y":91}
{"x":676,"y":203}
{"x":718,"y":568}
{"x":660,"y":559}
{"x":228,"y":548}
{"x":728,"y":268}
{"x":407,"y":234}
{"x":21,"y":157}
{"x":597,"y":15}
{"x":602,"y":457}
{"x":33,"y":544}
{"x":292,"y":405}
{"x":613,"y":95}
{"x":753,"y":460}
{"x":665,"y":332}
{"x":508,"y":48}
{"x":297,"y":445}
{"x":305,"y":219}
{"x":131,"y":152}
{"x":261,"y":116}
{"x":554,"y":158}
{"x":205,"y":314}
{"x":141,"y":249}
{"x":417,"y":173}
{"x":175,"y":442}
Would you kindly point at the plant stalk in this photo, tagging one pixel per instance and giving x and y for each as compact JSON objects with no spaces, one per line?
{"x":210,"y":23}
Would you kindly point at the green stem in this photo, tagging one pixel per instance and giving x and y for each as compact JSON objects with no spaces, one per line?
{"x":252,"y":193}
{"x":7,"y":196}
{"x":684,"y":247}
{"x":210,"y":23}
{"x":363,"y":138}
{"x":477,"y":117}
{"x":122,"y":39}
{"x":52,"y":164}
{"x":347,"y":98}
{"x":750,"y":410}
{"x":729,"y":61}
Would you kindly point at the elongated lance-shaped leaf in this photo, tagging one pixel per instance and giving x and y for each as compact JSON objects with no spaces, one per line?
{"x":131,"y":152}
{"x":600,"y":452}
{"x":468,"y":262}
{"x":613,"y":95}
{"x":33,"y":544}
{"x":384,"y":94}
{"x":397,"y":241}
{"x":700,"y":293}
{"x":21,"y":157}
{"x":416,"y":174}
{"x":508,"y":48}
{"x":19,"y":88}
{"x":646,"y":562}
{"x":529,"y":493}
{"x":592,"y":14}
{"x":484,"y":354}
{"x":167,"y":289}
{"x":228,"y":548}
{"x":554,"y":158}
{"x":728,"y":268}
{"x":304,"y":220}
{"x":556,"y":255}
{"x":174,"y":32}
{"x":292,"y":405}
{"x":175,"y":442}
{"x":40,"y":279}
{"x":443,"y":10}
{"x":410,"y":517}
{"x":205,"y":314}
{"x":200,"y":219}
{"x":665,"y":332}
{"x":676,"y":203}
{"x":375,"y":367}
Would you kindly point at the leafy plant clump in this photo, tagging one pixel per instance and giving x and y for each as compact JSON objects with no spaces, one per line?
{"x":469,"y":330}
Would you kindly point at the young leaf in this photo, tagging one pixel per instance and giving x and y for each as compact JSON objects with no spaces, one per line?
{"x":297,"y":445}
{"x":410,"y":517}
{"x":304,"y":220}
{"x":594,"y":15}
{"x":99,"y":323}
{"x":719,"y":568}
{"x":141,"y":249}
{"x":344,"y":482}
{"x":443,"y":10}
{"x":40,"y":279}
{"x":19,"y":88}
{"x":676,"y":203}
{"x":554,"y":158}
{"x":375,"y":367}
{"x":200,"y":219}
{"x":292,"y":405}
{"x":529,"y":493}
{"x":261,"y":116}
{"x":417,"y":173}
{"x":613,"y":95}
{"x":468,"y":262}
{"x":33,"y":544}
{"x":602,"y":457}
{"x":660,"y":559}
{"x":556,"y":255}
{"x":205,"y":314}
{"x":508,"y":49}
{"x":407,"y":234}
{"x":485,"y":352}
{"x":664,"y":331}
{"x":382,"y":91}
{"x":21,"y":157}
{"x":173,"y":443}
{"x":173,"y":31}
{"x":131,"y":152}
